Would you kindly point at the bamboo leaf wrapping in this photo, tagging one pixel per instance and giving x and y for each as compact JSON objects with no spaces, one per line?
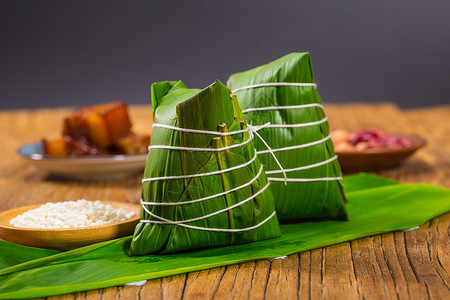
{"x":297,"y":200}
{"x":210,"y":109}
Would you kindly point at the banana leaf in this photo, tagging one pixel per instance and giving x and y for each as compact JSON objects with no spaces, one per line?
{"x":376,"y":205}
{"x":299,"y":198}
{"x":241,"y":207}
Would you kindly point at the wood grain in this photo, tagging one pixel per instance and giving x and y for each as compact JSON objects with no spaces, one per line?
{"x":399,"y":265}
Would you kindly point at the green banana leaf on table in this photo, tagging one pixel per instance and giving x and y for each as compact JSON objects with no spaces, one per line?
{"x":283,"y":93}
{"x":375,"y":205}
{"x":212,"y":110}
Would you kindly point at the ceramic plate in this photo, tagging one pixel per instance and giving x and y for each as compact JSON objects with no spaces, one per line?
{"x":377,"y":159}
{"x":66,"y":239}
{"x":85,"y":168}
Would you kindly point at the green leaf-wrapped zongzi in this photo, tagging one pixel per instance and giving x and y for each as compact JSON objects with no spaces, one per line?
{"x":309,"y":184}
{"x":203,"y":184}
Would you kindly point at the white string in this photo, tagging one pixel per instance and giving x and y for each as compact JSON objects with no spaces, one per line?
{"x":304,"y":167}
{"x":324,"y":120}
{"x":205,"y":198}
{"x":296,"y":146}
{"x":304,"y":179}
{"x":276,"y":159}
{"x":201,"y":174}
{"x":199,"y":131}
{"x":282,"y":107}
{"x":220,"y":229}
{"x":166,"y":221}
{"x":166,"y":147}
{"x":251,"y":129}
{"x":273,"y":84}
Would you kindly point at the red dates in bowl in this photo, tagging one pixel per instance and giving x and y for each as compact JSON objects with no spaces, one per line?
{"x":372,"y":150}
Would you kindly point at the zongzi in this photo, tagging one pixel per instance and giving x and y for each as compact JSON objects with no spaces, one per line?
{"x":308,"y":185}
{"x":203,"y":184}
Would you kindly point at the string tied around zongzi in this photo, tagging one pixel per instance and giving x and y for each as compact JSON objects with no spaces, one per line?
{"x":252,"y":86}
{"x":252,"y":130}
{"x":297,"y":125}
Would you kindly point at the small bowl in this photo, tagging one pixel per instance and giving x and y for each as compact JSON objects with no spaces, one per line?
{"x":108,"y":167}
{"x":70,"y":238}
{"x":378,"y":159}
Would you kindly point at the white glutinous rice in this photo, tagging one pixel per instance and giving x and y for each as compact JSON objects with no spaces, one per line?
{"x":71,"y":214}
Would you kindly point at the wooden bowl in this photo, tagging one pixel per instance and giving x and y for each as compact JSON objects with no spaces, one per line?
{"x":66,"y":239}
{"x":377,"y":159}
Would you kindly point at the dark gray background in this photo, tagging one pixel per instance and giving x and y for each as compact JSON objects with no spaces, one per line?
{"x":72,"y":53}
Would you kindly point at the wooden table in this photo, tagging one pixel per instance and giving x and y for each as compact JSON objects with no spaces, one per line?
{"x":400,"y":265}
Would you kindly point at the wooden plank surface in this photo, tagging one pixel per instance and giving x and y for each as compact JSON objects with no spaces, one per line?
{"x":400,"y":265}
